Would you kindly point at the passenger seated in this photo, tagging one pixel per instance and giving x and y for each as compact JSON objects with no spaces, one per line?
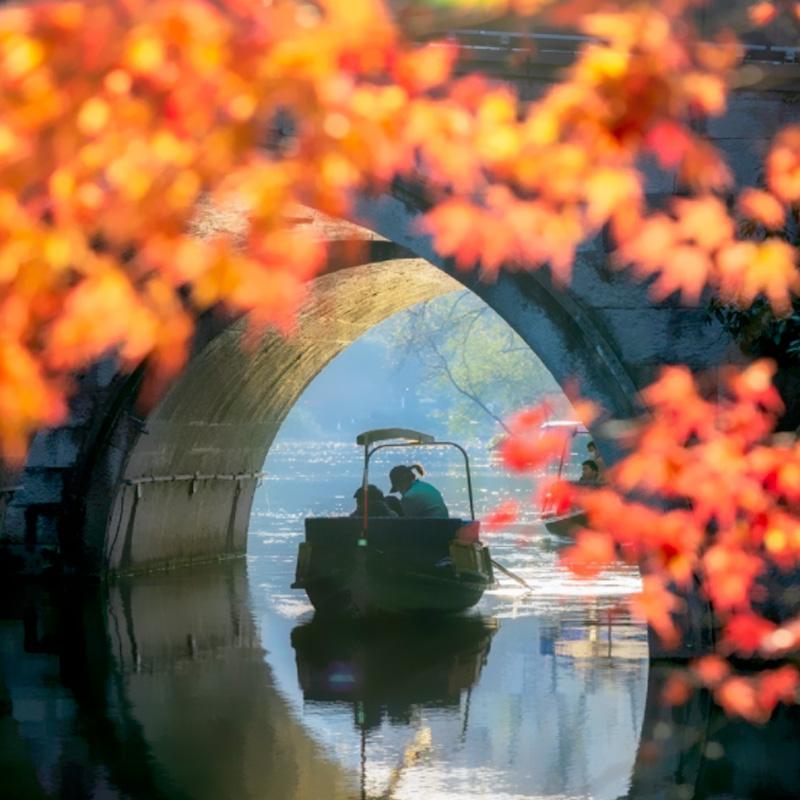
{"x":595,"y":456}
{"x":589,"y":474}
{"x":394,"y":503}
{"x":376,"y":503}
{"x":420,"y":499}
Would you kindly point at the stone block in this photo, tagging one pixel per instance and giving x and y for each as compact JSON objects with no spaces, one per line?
{"x":666,"y":336}
{"x":104,"y":372}
{"x":656,"y":179}
{"x":14,"y":525}
{"x":82,"y":409}
{"x":57,"y":448}
{"x":41,"y":486}
{"x":752,"y":115}
{"x":599,"y":285}
{"x":745,"y":158}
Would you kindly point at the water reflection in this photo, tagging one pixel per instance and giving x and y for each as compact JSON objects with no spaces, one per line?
{"x":161,"y":688}
{"x":402,"y":674}
{"x":695,"y":751}
{"x":391,"y":671}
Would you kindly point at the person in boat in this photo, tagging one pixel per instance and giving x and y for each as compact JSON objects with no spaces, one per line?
{"x":394,"y":504}
{"x":594,"y":454}
{"x":419,"y":498}
{"x":376,"y":503}
{"x":589,"y":473}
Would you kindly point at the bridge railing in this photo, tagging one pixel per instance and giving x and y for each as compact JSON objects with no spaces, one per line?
{"x":480,"y":44}
{"x":195,"y":479}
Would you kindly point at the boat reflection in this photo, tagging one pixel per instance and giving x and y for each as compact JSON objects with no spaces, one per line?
{"x":387,"y":670}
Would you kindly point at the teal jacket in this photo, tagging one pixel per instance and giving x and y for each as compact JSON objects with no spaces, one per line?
{"x":423,"y":500}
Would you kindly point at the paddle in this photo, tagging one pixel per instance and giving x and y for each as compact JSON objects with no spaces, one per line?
{"x":512,"y":575}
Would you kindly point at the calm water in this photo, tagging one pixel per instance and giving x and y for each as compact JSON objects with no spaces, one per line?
{"x":213,"y":682}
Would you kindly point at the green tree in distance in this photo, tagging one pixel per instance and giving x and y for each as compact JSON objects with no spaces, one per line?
{"x":474,"y":361}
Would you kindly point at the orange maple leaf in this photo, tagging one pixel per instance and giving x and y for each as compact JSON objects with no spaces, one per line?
{"x":557,"y":496}
{"x":676,"y":690}
{"x":744,"y":633}
{"x":762,"y":13}
{"x":763,"y":207}
{"x":711,"y":670}
{"x":730,"y":575}
{"x":669,"y":141}
{"x":592,"y":552}
{"x":425,"y":68}
{"x":773,"y":272}
{"x":608,"y":188}
{"x":783,"y":165}
{"x":738,"y":697}
{"x":686,"y":271}
{"x":704,"y":221}
{"x":523,"y":451}
{"x":777,"y":686}
{"x":456,"y":225}
{"x":704,"y":169}
{"x":656,"y":604}
{"x":502,"y":516}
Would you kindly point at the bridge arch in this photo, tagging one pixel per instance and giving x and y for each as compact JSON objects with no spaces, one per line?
{"x":177,"y":485}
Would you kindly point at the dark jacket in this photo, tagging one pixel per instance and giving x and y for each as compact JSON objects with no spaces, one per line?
{"x":376,"y":508}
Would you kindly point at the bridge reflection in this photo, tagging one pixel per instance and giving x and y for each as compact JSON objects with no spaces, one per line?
{"x":157,"y":688}
{"x":694,"y":751}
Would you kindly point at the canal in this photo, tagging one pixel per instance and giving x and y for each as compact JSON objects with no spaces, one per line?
{"x":215,"y":681}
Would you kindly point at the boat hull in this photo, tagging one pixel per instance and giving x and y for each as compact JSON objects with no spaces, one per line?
{"x":565,"y":524}
{"x":393,"y":569}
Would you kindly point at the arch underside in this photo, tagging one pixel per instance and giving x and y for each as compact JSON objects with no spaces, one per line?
{"x":189,"y":479}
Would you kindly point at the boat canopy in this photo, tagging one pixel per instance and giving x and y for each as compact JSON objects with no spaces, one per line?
{"x":381,"y":438}
{"x":384,"y":434}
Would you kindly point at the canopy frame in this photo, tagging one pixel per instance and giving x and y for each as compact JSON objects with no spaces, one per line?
{"x":382,"y":438}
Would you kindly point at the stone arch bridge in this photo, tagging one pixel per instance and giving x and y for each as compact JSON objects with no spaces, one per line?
{"x":118,"y":490}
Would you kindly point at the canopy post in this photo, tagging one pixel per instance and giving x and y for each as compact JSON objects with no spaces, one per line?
{"x":365,"y":497}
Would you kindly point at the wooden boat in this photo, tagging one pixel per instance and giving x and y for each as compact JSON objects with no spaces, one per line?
{"x":573,"y":453}
{"x":565,"y":524}
{"x":394,"y":565}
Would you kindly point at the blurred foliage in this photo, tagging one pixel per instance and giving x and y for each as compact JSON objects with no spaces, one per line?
{"x":761,"y":332}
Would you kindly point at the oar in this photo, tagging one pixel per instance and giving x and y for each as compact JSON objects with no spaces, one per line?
{"x":512,"y":575}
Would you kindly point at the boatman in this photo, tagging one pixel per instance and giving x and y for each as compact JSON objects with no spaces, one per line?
{"x":420,"y":499}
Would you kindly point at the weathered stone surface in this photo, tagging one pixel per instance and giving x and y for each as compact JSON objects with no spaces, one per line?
{"x":745,"y":157}
{"x":754,"y":116}
{"x":56,"y":449}
{"x":41,"y":486}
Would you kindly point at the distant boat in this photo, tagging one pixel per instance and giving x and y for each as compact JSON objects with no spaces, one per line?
{"x":566,"y":523}
{"x":394,"y":565}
